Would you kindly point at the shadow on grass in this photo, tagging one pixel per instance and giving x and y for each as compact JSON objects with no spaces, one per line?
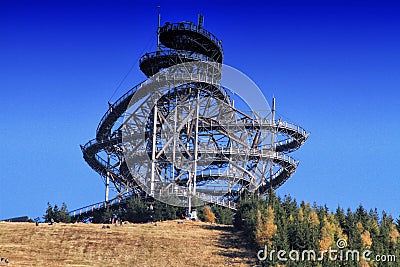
{"x":234,"y":245}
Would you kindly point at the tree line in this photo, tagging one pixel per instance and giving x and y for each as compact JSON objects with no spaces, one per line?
{"x":283,"y":224}
{"x":56,"y":214}
{"x":137,"y":210}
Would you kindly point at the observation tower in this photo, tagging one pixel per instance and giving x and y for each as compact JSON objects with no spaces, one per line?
{"x":183,"y":137}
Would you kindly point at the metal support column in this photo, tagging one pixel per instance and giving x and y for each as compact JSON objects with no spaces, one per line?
{"x":153,"y":151}
{"x":271,"y":170}
{"x":196,"y":140}
{"x":193,"y":173}
{"x":108,"y":177}
{"x":189,"y":193}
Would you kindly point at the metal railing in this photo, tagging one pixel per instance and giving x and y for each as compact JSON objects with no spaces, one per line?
{"x":97,"y":206}
{"x":116,"y":104}
{"x":173,"y":52}
{"x":191,"y":27}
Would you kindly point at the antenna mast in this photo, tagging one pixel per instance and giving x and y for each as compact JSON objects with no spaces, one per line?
{"x":158,"y":29}
{"x":200,"y":21}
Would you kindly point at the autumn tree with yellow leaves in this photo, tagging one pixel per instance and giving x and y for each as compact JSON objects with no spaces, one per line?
{"x":209,"y":216}
{"x":266,"y":227}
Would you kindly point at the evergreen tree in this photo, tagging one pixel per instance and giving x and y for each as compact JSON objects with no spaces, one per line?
{"x":281,"y":237}
{"x":136,"y":211}
{"x":350,"y":226}
{"x":103,"y":216}
{"x":49,"y":213}
{"x":200,"y":214}
{"x":289,"y":205}
{"x":246,"y":215}
{"x":341,"y":218}
{"x":373,"y":213}
{"x":163,"y":211}
{"x":361,"y":215}
{"x":58,"y":215}
{"x":223,"y":215}
{"x":314,"y":225}
{"x":159,"y":211}
{"x":64,"y":214}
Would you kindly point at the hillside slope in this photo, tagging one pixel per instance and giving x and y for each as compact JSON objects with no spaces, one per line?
{"x":164,"y":244}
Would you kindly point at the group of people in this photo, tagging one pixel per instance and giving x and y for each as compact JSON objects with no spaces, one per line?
{"x":116,"y":221}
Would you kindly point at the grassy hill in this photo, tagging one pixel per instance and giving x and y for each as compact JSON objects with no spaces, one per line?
{"x":165,"y":244}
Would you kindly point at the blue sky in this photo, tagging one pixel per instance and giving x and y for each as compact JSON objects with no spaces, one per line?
{"x":334,"y":67}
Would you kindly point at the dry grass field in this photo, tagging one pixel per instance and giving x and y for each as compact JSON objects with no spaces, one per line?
{"x":164,"y":244}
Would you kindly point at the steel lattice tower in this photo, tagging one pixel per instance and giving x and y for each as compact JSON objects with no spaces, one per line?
{"x":190,"y":142}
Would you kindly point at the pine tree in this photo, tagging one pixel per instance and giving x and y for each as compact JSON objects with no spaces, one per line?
{"x":314,"y":224}
{"x":49,"y":213}
{"x":163,"y":211}
{"x":103,"y":216}
{"x":64,"y":214}
{"x":246,"y":215}
{"x":384,"y":229}
{"x":136,"y":211}
{"x":341,"y":218}
{"x":372,"y":226}
{"x":56,"y":213}
{"x":361,"y":214}
{"x":282,"y":234}
{"x":223,"y":215}
{"x":289,"y":205}
{"x":373,"y":213}
{"x":298,"y":230}
{"x":350,"y":228}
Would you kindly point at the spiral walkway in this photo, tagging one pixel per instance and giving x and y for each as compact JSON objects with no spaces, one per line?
{"x":185,"y":42}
